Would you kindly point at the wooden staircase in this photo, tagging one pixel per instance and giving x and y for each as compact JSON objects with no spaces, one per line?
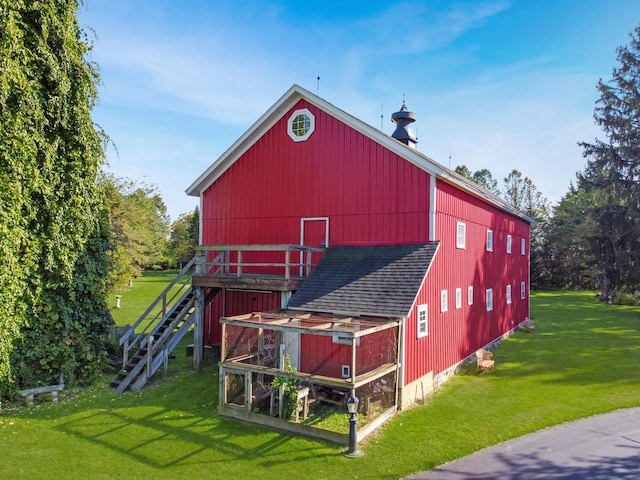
{"x":160,"y":329}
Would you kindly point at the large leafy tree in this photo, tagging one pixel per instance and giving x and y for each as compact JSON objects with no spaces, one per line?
{"x":613,"y":174}
{"x":139,"y":223}
{"x":184,"y":238}
{"x":482,"y":177}
{"x":53,"y":235}
{"x":521,"y":193}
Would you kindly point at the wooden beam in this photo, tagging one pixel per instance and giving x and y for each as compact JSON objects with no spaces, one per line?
{"x":271,"y":283}
{"x":342,"y":383}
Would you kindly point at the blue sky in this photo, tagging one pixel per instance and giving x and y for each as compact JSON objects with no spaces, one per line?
{"x":494,"y":84}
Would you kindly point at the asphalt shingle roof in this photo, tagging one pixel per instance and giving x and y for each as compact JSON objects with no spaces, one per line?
{"x":366,"y":280}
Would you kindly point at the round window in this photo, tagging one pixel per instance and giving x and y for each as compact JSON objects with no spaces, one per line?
{"x":301,"y":125}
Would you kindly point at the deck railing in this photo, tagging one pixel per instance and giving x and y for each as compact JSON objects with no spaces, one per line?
{"x":285,"y":261}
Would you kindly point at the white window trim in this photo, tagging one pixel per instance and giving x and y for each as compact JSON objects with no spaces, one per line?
{"x":312,"y":125}
{"x":425,"y":321}
{"x":523,"y":246}
{"x":489,"y":240}
{"x":444,"y":301}
{"x":509,"y":243}
{"x":508,"y":294}
{"x":523,"y":290}
{"x":489,"y":299}
{"x":470,"y":295}
{"x":458,"y":298}
{"x":461,"y":240}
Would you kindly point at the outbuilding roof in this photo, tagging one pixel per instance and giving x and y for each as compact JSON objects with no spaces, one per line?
{"x":381,"y":280}
{"x":297,"y":93}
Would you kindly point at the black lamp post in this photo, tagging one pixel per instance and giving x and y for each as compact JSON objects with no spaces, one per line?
{"x":352,"y":408}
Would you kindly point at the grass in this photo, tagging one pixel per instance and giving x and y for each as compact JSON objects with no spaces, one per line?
{"x":581,"y":360}
{"x":134,"y":300}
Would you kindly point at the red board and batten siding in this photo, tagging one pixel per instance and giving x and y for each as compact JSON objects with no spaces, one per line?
{"x":369,"y":193}
{"x":235,"y":302}
{"x":372,"y":196}
{"x":456,"y":333}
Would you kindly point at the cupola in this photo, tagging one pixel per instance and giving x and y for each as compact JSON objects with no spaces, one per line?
{"x":403,"y":119}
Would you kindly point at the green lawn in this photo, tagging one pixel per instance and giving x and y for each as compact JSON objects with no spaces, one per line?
{"x":581,"y":360}
{"x":134,"y":300}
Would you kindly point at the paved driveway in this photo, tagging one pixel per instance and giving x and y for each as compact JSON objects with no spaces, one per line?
{"x":596,"y":448}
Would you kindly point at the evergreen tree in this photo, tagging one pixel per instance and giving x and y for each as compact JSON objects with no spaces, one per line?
{"x":567,"y":258}
{"x":613,"y":174}
{"x":53,"y":236}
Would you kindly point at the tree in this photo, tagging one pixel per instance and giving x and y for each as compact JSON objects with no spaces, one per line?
{"x":53,"y":239}
{"x":481,"y":177}
{"x":567,"y":256}
{"x":140,"y":226}
{"x":184,"y":237}
{"x":522,"y":194}
{"x":613,"y":174}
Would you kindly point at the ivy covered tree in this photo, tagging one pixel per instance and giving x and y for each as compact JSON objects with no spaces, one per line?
{"x":54,"y":235}
{"x":612,"y":174}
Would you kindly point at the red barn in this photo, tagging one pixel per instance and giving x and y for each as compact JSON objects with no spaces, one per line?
{"x":363,"y":260}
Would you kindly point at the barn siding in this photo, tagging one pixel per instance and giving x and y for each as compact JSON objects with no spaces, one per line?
{"x":228,"y":303}
{"x":457,"y":333}
{"x":324,"y":357}
{"x":369,"y":194}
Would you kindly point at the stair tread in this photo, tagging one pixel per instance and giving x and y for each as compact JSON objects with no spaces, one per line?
{"x":134,"y":374}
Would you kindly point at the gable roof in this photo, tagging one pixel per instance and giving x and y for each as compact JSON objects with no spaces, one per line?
{"x":297,"y":93}
{"x":367,"y":280}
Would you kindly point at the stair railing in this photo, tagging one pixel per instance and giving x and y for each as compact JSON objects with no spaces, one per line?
{"x":147,"y":320}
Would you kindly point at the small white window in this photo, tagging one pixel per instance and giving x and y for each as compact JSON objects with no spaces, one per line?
{"x":423,"y":321}
{"x":346,"y":371}
{"x":461,"y":234}
{"x":489,"y":240}
{"x":523,"y":291}
{"x":489,"y":299}
{"x":508,"y":293}
{"x":301,"y":125}
{"x":523,"y":247}
{"x":508,"y":243}
{"x":470,"y":295}
{"x":458,"y":298}
{"x":444,"y":301}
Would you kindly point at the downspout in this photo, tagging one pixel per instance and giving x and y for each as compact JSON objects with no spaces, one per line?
{"x":200,"y":220}
{"x":400,"y":361}
{"x":529,"y":275}
{"x":432,"y":208}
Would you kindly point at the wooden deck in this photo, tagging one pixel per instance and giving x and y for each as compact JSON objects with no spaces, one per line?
{"x":273,"y":283}
{"x":276,"y":268}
